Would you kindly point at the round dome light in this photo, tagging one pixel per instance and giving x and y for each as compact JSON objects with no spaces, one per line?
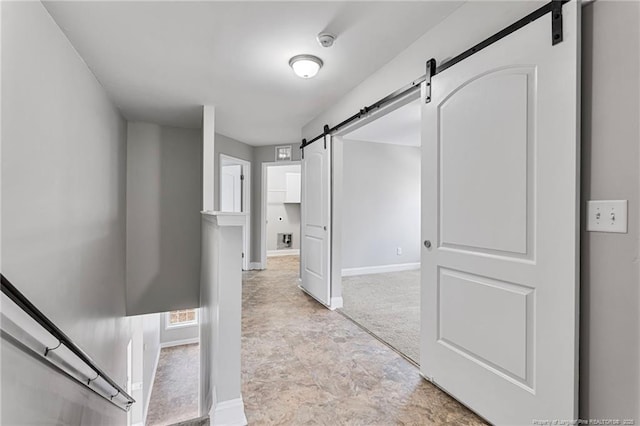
{"x":305,"y":66}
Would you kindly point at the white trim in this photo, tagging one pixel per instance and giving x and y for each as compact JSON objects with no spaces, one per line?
{"x":335,"y":303}
{"x":348,"y":272}
{"x":228,"y":413}
{"x":246,"y":201}
{"x":255,"y":266}
{"x":179,"y":342}
{"x":169,"y":326}
{"x":153,"y":379}
{"x":263,"y":205}
{"x":284,"y":252}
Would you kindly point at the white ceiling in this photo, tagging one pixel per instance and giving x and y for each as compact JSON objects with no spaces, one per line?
{"x":399,"y":127}
{"x":160,"y":61}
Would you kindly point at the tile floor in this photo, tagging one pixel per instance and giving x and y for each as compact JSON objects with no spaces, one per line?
{"x":303,"y":364}
{"x":174,"y":396}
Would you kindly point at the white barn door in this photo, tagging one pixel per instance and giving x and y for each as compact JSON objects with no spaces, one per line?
{"x":316,"y":221}
{"x":500,"y":220}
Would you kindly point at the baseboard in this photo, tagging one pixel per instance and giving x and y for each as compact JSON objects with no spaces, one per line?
{"x":180,"y":342}
{"x":153,"y":380}
{"x":228,"y":413}
{"x":348,"y":272}
{"x":255,"y":266}
{"x":313,"y":297}
{"x":287,"y":252}
{"x":335,"y":303}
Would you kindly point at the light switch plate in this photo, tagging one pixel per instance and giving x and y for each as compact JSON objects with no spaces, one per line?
{"x":607,"y":216}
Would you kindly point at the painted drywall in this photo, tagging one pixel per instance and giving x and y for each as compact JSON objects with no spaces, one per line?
{"x":610,"y":293}
{"x":63,"y":216}
{"x":164,"y":195}
{"x":380,"y":204}
{"x":232,"y":148}
{"x":277,"y":208}
{"x":177,"y":335}
{"x":262,"y":154}
{"x":220,"y":314}
{"x":150,"y":355}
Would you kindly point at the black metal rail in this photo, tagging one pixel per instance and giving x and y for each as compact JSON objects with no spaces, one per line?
{"x":554,"y":6}
{"x":21,"y":300}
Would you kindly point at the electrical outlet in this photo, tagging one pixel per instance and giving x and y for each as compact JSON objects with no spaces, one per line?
{"x":607,"y":216}
{"x":399,"y":251}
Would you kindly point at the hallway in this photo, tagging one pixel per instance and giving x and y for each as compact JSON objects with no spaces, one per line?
{"x":304,"y":364}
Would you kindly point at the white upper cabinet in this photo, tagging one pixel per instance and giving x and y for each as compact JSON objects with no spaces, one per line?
{"x":292,"y":194}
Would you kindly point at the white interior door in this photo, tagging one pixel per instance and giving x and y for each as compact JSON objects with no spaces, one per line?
{"x":316,"y":221}
{"x":231,"y":188}
{"x":500,"y":208}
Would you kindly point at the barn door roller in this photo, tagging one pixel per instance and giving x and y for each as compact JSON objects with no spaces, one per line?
{"x":556,"y":22}
{"x":431,"y":71}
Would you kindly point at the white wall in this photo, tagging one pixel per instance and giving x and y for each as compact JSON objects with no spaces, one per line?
{"x":164,"y":196}
{"x":610,"y":320}
{"x":380,"y":204}
{"x":277,"y":208}
{"x":63,"y":216}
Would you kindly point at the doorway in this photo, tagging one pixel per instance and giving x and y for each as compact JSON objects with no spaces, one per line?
{"x":280,"y":239}
{"x":235,"y":196}
{"x":379,"y":211}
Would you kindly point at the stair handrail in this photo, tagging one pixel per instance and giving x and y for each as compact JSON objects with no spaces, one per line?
{"x":25,"y":304}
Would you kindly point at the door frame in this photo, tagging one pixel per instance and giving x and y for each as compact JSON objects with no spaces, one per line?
{"x":263,"y":206}
{"x":246,"y":200}
{"x":337,"y":200}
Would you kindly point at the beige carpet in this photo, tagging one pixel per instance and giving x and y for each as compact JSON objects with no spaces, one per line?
{"x":388,"y":305}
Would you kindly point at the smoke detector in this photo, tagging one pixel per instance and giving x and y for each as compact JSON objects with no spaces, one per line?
{"x":326,"y":39}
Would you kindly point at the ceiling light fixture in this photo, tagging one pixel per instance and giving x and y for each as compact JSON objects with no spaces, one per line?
{"x":305,"y":66}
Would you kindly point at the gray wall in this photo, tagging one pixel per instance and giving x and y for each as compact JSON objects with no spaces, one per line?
{"x":164,"y":199}
{"x":610,"y":338}
{"x":232,"y":148}
{"x":63,"y":216}
{"x":380,"y":204}
{"x":276,"y":208}
{"x":261,"y":154}
{"x":220,"y":314}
